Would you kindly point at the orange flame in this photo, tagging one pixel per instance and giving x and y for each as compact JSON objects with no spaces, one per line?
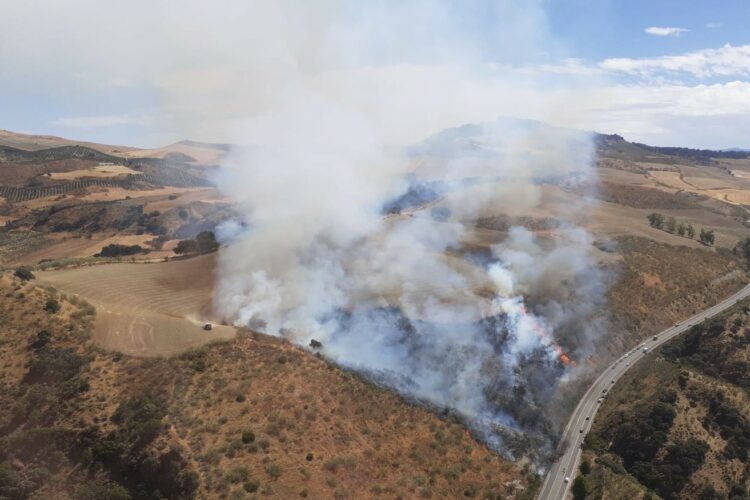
{"x":564,"y":358}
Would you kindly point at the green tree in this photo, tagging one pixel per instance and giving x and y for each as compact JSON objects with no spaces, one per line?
{"x":656,"y":220}
{"x":707,"y":237}
{"x":186,"y":246}
{"x":690,"y":231}
{"x":681,"y":229}
{"x":671,"y":225}
{"x":580,"y":488}
{"x":206,"y":242}
{"x":585,"y":467}
{"x":742,"y":249}
{"x":52,"y":306}
{"x":24,"y":274}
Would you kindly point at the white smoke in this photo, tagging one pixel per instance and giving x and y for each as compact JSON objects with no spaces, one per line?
{"x":356,"y":239}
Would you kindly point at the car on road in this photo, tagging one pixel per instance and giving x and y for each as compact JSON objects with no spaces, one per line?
{"x":588,"y":417}
{"x":580,"y":431}
{"x":599,"y":400}
{"x":567,"y":479}
{"x":656,"y":337}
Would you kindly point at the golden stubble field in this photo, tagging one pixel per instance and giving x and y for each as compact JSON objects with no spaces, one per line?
{"x":156,"y":309}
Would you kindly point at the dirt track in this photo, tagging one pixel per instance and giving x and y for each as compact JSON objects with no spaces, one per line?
{"x":146,"y":309}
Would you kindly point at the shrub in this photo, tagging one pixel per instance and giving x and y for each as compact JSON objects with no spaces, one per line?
{"x":24,"y":274}
{"x":186,"y":246}
{"x":52,"y":306}
{"x":54,"y":365}
{"x":116,"y":250}
{"x":251,"y":486}
{"x":238,"y":474}
{"x":42,"y":339}
{"x":579,"y":488}
{"x":205,"y":242}
{"x":274,"y":470}
{"x":585,"y":467}
{"x":248,"y":436}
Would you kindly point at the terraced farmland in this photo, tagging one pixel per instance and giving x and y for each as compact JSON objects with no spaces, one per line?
{"x":14,"y":244}
{"x":15,"y":194}
{"x":146,"y":309}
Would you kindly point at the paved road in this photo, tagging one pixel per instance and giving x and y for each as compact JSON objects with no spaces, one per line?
{"x":554,"y":486}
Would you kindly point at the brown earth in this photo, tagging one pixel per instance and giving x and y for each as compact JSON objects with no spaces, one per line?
{"x":249,"y":416}
{"x":657,"y":284}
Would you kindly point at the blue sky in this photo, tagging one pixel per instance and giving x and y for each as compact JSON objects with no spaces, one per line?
{"x":600,"y":29}
{"x":148,"y":73}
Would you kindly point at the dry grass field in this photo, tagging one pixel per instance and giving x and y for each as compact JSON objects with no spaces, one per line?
{"x":242,"y":416}
{"x":154,"y":309}
{"x":201,"y":154}
{"x":101,"y":170}
{"x":251,"y":417}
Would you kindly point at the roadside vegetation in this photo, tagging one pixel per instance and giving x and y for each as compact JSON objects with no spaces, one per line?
{"x":678,"y":425}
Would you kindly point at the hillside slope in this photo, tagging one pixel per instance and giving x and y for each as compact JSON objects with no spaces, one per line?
{"x":678,"y":424}
{"x":251,"y":417}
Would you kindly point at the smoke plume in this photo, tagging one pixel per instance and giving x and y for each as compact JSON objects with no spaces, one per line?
{"x":357,"y":236}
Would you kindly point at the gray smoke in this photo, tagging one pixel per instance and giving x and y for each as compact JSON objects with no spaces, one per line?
{"x":352,"y":239}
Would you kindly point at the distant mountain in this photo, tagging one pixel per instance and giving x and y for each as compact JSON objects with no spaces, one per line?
{"x":614,"y":145}
{"x":30,"y":142}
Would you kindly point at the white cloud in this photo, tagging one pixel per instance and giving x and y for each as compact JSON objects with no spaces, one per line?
{"x":196,"y":71}
{"x":714,"y":25}
{"x":700,"y":116}
{"x":665,"y":31}
{"x":728,"y":60}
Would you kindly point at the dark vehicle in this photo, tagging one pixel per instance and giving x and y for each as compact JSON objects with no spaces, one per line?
{"x":208,"y":327}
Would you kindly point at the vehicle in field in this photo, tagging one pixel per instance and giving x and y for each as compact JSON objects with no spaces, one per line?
{"x":208,"y":327}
